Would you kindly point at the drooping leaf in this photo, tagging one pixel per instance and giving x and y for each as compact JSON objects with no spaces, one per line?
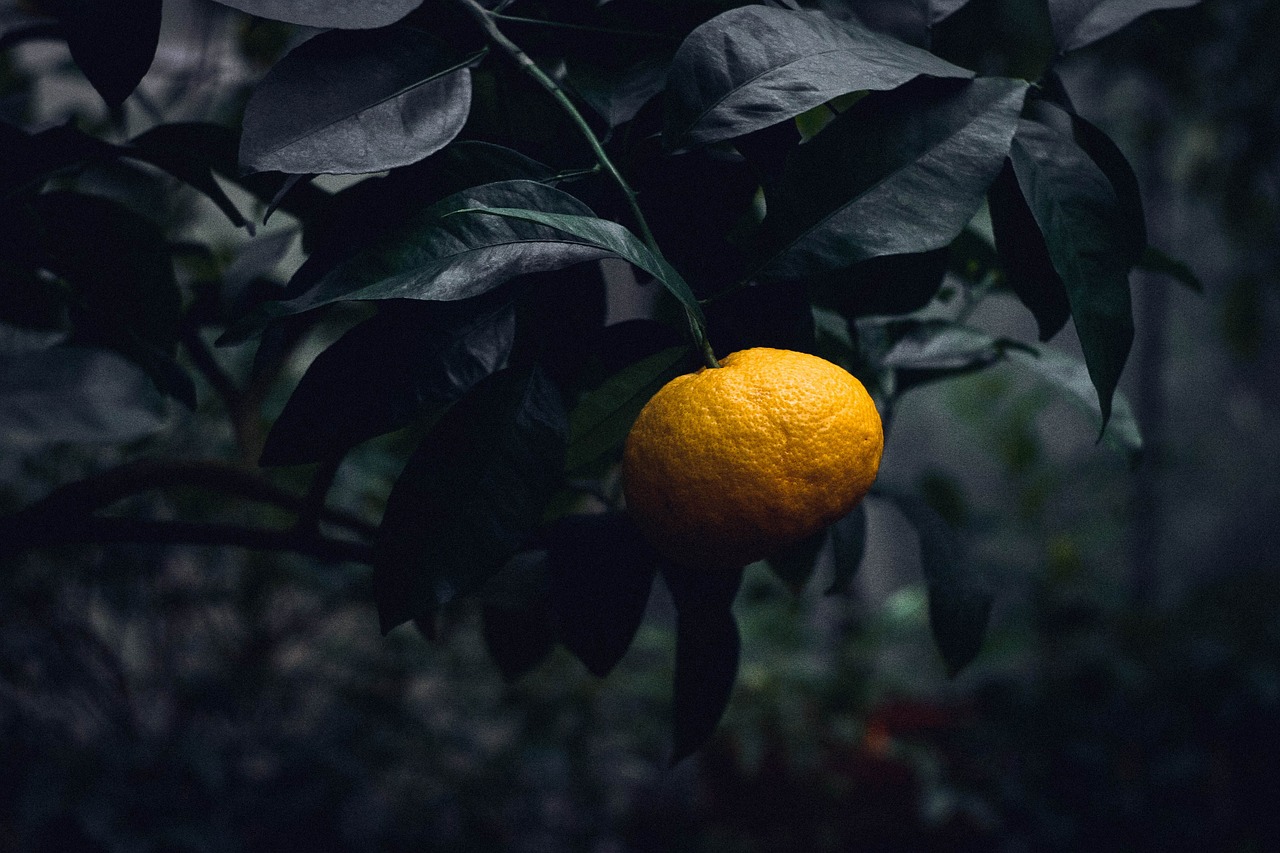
{"x":707,"y":651}
{"x":1068,"y":375}
{"x":411,"y":359}
{"x":1077,"y":23}
{"x":180,"y":149}
{"x":900,"y":172}
{"x":888,"y":284}
{"x":959,"y":600}
{"x":518,"y":639}
{"x":1091,"y":238}
{"x":1024,"y":256}
{"x":755,"y":66}
{"x":601,"y":571}
{"x":52,"y":393}
{"x":1154,"y":260}
{"x":795,"y":564}
{"x":470,"y":495}
{"x":26,"y":159}
{"x":354,"y":102}
{"x":848,"y":543}
{"x":112,"y":41}
{"x":442,"y":255}
{"x":601,"y":419}
{"x":617,"y":241}
{"x":344,"y":14}
{"x":927,"y":350}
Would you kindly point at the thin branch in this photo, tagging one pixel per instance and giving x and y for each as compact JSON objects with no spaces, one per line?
{"x":27,"y":530}
{"x":86,"y":496}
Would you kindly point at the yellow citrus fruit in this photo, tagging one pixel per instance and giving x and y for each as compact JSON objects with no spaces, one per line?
{"x":727,"y":465}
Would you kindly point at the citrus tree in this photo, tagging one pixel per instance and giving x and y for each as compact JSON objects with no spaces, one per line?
{"x":846,"y":179}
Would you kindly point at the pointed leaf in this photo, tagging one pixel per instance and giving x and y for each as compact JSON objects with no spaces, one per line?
{"x":707,"y":652}
{"x":1024,"y":255}
{"x":518,"y":639}
{"x":619,"y":95}
{"x":353,"y":102}
{"x":755,"y":66}
{"x":924,"y":350}
{"x":848,"y":543}
{"x":1077,"y":23}
{"x":795,"y":565}
{"x":601,"y":572}
{"x":618,"y":241}
{"x":1068,"y":375}
{"x":1092,"y":242}
{"x":112,"y":41}
{"x":365,"y":14}
{"x":900,"y":172}
{"x":602,"y":418}
{"x":1154,"y":260}
{"x":411,"y":360}
{"x":959,"y":601}
{"x":470,"y":495}
{"x":438,"y":256}
{"x":181,"y":150}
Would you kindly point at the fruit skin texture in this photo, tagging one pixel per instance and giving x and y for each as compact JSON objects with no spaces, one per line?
{"x":727,"y":465}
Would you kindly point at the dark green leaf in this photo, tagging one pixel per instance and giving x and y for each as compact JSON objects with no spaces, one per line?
{"x":112,"y":41}
{"x":601,"y":572}
{"x":411,"y":359}
{"x":1091,"y":238}
{"x":27,"y":159}
{"x":707,"y":652}
{"x":933,"y":349}
{"x":182,"y":150}
{"x":353,"y":102}
{"x":1120,"y":432}
{"x":1024,"y":255}
{"x":437,"y":256}
{"x":51,"y":393}
{"x":1154,"y":260}
{"x":518,"y":639}
{"x":889,"y":284}
{"x":1077,"y":23}
{"x":617,"y":241}
{"x":470,"y":495}
{"x":365,"y":14}
{"x":959,"y":601}
{"x":755,"y":66}
{"x":795,"y":564}
{"x":602,"y":418}
{"x":848,"y":542}
{"x":900,"y":172}
{"x":618,"y":95}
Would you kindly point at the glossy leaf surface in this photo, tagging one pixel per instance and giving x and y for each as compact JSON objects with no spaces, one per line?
{"x":755,"y":66}
{"x":354,"y":102}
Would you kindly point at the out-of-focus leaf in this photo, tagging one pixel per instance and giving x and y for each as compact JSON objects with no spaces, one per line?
{"x":1120,"y":432}
{"x":755,"y":66}
{"x":26,"y":159}
{"x":1077,"y":23}
{"x":618,"y":241}
{"x":52,"y":393}
{"x":1092,"y":239}
{"x":601,"y":571}
{"x":900,"y":172}
{"x":409,"y":360}
{"x":601,"y":419}
{"x":848,"y":543}
{"x":470,"y":495}
{"x":442,"y":255}
{"x":112,"y":41}
{"x":888,"y":284}
{"x":354,"y":102}
{"x":959,"y":601}
{"x":344,"y":14}
{"x":926,"y":350}
{"x":707,"y":652}
{"x":1154,"y":260}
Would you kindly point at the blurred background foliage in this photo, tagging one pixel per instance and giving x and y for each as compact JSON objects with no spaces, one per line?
{"x":160,"y":698}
